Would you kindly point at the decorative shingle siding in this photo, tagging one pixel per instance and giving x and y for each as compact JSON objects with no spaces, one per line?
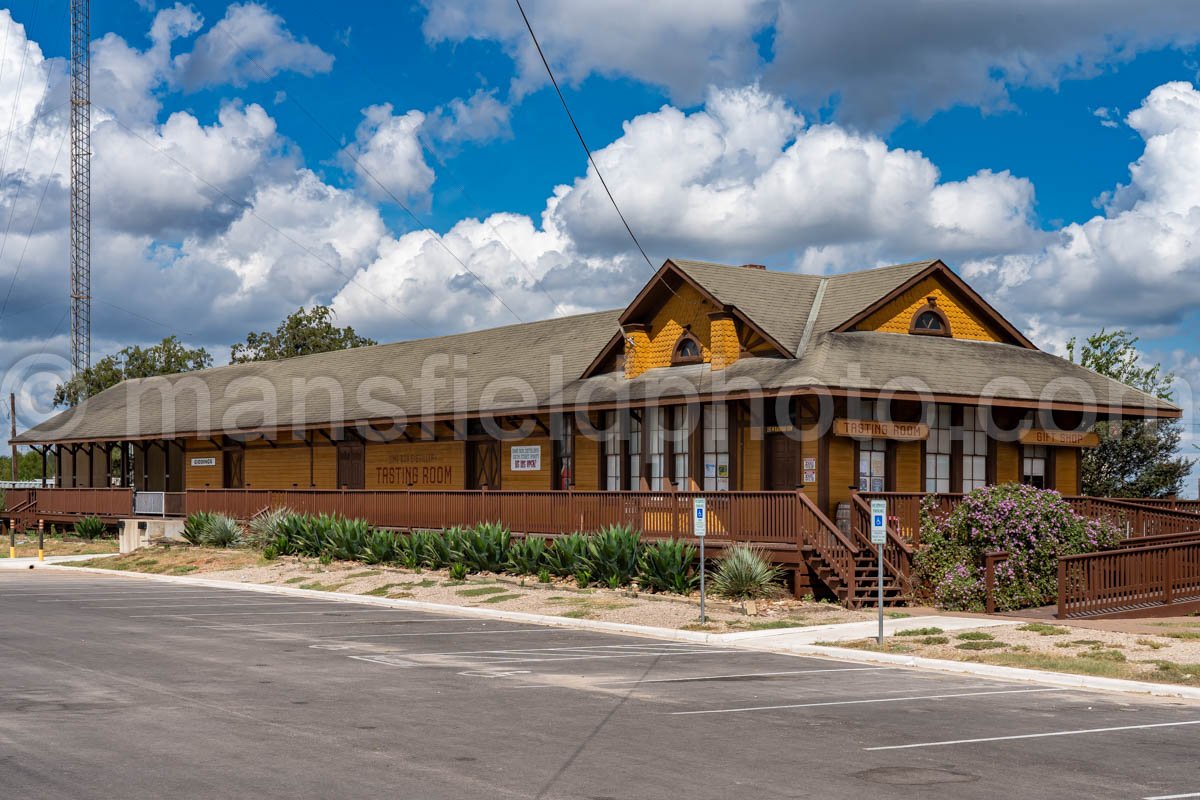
{"x":897,"y":315}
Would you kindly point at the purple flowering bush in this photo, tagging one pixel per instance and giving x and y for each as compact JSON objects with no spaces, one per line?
{"x":1034,"y":526}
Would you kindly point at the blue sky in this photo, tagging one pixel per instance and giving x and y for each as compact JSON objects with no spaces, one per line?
{"x":1045,"y":152}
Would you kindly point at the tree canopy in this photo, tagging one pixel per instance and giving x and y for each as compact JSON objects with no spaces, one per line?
{"x":1137,"y":457}
{"x":304,"y":332}
{"x":165,"y":358}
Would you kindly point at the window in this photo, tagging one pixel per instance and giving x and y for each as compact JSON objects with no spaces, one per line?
{"x":612,"y":451}
{"x":1033,"y":465}
{"x":687,"y":350}
{"x":635,"y":453}
{"x":938,"y":451}
{"x":974,"y":444}
{"x":872,"y":465}
{"x":681,"y":435}
{"x":929,"y":320}
{"x":716,"y":447}
{"x":656,"y":441}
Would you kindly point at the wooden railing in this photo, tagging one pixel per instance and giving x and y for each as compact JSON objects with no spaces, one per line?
{"x":904,"y":509}
{"x":1129,"y":579}
{"x":897,"y":553}
{"x":1165,"y":504}
{"x":769,"y":518}
{"x":76,"y":502}
{"x":830,"y":544}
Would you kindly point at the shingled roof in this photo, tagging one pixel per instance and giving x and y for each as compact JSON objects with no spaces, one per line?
{"x":804,"y":314}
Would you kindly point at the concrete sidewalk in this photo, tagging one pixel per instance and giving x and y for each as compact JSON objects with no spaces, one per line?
{"x":25,"y":562}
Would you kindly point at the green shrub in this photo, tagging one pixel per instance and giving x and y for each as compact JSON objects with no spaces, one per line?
{"x":1033,"y":526}
{"x":527,"y":556}
{"x":668,"y":565}
{"x":975,"y":636}
{"x":543,"y":575}
{"x":89,"y":528}
{"x":985,"y":644}
{"x":744,"y":573}
{"x":568,"y":555}
{"x":380,"y":547}
{"x":459,"y":571}
{"x":613,"y":554}
{"x":935,"y":640}
{"x":583,"y":578}
{"x":346,"y":539}
{"x":304,"y":536}
{"x":440,"y":549}
{"x":196,"y":526}
{"x":222,"y":531}
{"x":485,"y":547}
{"x":410,"y":549}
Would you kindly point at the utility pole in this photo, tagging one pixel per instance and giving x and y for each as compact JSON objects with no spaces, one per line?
{"x":12,"y":434}
{"x":81,"y":187}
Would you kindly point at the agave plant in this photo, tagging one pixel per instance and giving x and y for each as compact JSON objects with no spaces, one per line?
{"x":567,"y":555}
{"x":527,"y":556}
{"x":195,"y":527}
{"x":744,"y":573}
{"x":346,"y":539}
{"x":668,"y":565}
{"x":485,"y":547}
{"x":380,"y":547}
{"x":89,"y":528}
{"x":303,"y":535}
{"x":613,"y":554}
{"x":443,"y":548}
{"x":265,"y":527}
{"x":222,"y":531}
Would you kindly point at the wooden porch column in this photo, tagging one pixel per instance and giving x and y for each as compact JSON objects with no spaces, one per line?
{"x":58,"y":474}
{"x":124,"y":482}
{"x":145,"y":448}
{"x":166,"y":448}
{"x":44,"y":449}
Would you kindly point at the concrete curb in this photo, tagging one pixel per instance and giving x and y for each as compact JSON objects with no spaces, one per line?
{"x":1059,"y":679}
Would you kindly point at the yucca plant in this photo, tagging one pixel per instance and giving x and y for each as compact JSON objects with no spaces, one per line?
{"x":380,"y":547}
{"x":567,"y":555}
{"x":304,"y":537}
{"x":459,"y":571}
{"x":89,"y":528}
{"x":195,"y":527}
{"x":266,"y":527}
{"x":527,"y":556}
{"x":346,"y":539}
{"x":668,"y":565}
{"x":613,"y":554}
{"x":222,"y":531}
{"x":744,"y":573}
{"x":279,"y":546}
{"x":410,"y":549}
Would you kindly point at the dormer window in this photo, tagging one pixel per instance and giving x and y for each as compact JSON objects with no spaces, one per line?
{"x":929,"y":320}
{"x":687,"y":350}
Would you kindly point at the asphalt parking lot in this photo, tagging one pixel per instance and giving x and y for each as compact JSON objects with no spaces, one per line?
{"x":125,"y":687}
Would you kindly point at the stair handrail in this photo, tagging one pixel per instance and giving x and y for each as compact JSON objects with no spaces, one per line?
{"x":833,"y":546}
{"x":897,"y":554}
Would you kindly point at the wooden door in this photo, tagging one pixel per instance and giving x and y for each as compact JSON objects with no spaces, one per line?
{"x":783,"y":461}
{"x":234,"y":468}
{"x":351,"y":465}
{"x":483,"y":465}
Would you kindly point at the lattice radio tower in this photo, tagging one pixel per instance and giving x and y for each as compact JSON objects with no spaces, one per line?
{"x":81,"y":187}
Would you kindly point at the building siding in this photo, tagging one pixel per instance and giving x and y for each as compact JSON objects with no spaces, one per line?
{"x":896,"y":316}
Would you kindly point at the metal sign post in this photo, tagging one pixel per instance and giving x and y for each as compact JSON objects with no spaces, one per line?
{"x":700,"y":529}
{"x":879,"y":538}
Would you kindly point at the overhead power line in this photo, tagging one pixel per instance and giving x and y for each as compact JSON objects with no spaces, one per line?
{"x":582,"y":142}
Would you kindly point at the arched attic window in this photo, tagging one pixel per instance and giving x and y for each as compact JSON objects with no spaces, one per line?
{"x":929,"y":320}
{"x":687,"y":350}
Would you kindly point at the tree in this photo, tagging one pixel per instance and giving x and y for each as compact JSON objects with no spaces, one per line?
{"x":165,"y":358}
{"x":1139,"y":457}
{"x":302,"y":333}
{"x":29,"y":466}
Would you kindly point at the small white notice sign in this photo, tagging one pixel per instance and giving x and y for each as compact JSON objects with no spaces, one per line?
{"x":699,"y":517}
{"x":204,"y":462}
{"x":526,"y":458}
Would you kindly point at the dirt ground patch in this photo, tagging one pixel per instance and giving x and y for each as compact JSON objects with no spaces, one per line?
{"x":1158,"y":650}
{"x":27,"y":546}
{"x":558,"y":598}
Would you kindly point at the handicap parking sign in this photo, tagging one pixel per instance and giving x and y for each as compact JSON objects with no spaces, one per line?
{"x":699,"y":517}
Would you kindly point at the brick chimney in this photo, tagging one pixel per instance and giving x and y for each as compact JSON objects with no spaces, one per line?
{"x":754,"y":266}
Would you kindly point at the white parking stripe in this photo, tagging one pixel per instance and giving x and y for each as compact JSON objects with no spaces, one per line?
{"x":230,"y":603}
{"x":1037,"y":736}
{"x":714,"y":677}
{"x":259,"y":613}
{"x":343,"y":622}
{"x":906,"y":698}
{"x":1173,"y":796}
{"x":494,"y":631}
